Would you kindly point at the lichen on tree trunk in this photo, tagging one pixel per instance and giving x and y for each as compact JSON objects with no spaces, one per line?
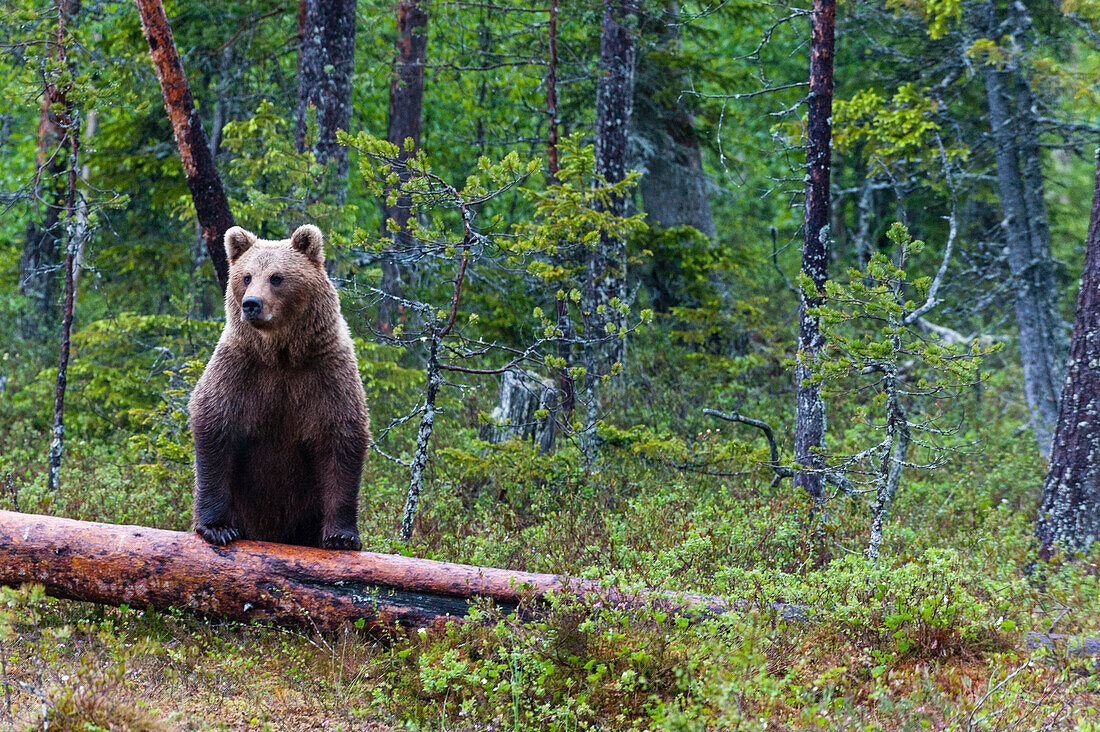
{"x":1069,"y":517}
{"x":1027,"y":235}
{"x":606,"y":270}
{"x":810,"y":410}
{"x":326,"y":61}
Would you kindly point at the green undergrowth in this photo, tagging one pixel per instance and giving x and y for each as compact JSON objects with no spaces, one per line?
{"x":932,"y":636}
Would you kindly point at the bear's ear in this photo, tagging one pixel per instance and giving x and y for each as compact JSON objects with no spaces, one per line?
{"x":237,"y":242}
{"x":308,"y":240}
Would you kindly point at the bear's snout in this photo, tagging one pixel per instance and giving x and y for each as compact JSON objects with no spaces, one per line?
{"x":251,"y":307}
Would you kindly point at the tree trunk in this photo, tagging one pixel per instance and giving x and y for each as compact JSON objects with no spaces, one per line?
{"x":211,"y":205}
{"x":423,"y":438}
{"x":865,"y":205}
{"x":552,"y":93}
{"x":1069,"y":518}
{"x":288,"y":585}
{"x":895,"y":450}
{"x":326,"y":61}
{"x":606,"y":271}
{"x":561,"y":305}
{"x":57,"y":445}
{"x":810,"y":410}
{"x":406,"y":110}
{"x":1020,"y":186}
{"x":91,"y":119}
{"x":673,"y":186}
{"x":71,"y":127}
{"x":523,"y":395}
{"x":41,"y":245}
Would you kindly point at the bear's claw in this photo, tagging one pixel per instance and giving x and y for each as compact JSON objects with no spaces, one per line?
{"x":347,"y":540}
{"x":218,"y":535}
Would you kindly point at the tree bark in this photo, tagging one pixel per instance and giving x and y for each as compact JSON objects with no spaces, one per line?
{"x":41,"y":245}
{"x":326,"y":61}
{"x":523,"y":395}
{"x":405,"y":114}
{"x":288,"y":585}
{"x":566,"y":385}
{"x":674,"y":185}
{"x":1069,"y":518}
{"x":810,"y":410}
{"x":864,"y":247}
{"x":91,"y":119}
{"x":423,"y":438}
{"x":552,"y":92}
{"x":895,"y":450}
{"x":71,"y":127}
{"x":211,"y":205}
{"x":1027,"y":235}
{"x":606,"y":270}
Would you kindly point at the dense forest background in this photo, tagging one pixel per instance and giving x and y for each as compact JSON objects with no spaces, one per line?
{"x":561,"y":232}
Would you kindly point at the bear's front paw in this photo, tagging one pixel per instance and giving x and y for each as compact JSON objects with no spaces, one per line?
{"x":218,"y":535}
{"x":348,"y":540}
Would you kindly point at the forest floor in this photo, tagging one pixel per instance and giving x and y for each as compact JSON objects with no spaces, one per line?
{"x":929,"y":637}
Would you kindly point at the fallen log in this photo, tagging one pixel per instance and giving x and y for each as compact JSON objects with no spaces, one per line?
{"x":317,"y":588}
{"x":288,"y":585}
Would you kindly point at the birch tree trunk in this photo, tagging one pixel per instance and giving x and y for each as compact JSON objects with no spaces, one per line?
{"x":406,"y":112}
{"x":1069,"y":518}
{"x":1027,"y":235}
{"x":211,"y":205}
{"x":326,"y":61}
{"x":810,"y":410}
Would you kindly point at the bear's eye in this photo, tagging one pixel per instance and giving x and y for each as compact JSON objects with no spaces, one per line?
{"x":276,"y":280}
{"x":247,"y":280}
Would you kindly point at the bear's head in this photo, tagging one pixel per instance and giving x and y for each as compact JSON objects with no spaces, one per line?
{"x":273,"y":284}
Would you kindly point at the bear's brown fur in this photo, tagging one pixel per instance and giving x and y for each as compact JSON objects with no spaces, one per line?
{"x":279,"y":416}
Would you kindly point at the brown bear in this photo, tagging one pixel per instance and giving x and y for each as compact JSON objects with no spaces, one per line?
{"x":279,"y":416}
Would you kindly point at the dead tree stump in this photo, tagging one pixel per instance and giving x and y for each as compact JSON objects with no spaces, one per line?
{"x":527,"y":411}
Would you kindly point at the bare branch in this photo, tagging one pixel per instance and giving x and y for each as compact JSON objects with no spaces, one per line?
{"x":781,"y":471}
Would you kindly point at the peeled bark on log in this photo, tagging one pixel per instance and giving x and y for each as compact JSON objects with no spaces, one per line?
{"x":211,"y":205}
{"x":288,"y":585}
{"x":522,"y":395}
